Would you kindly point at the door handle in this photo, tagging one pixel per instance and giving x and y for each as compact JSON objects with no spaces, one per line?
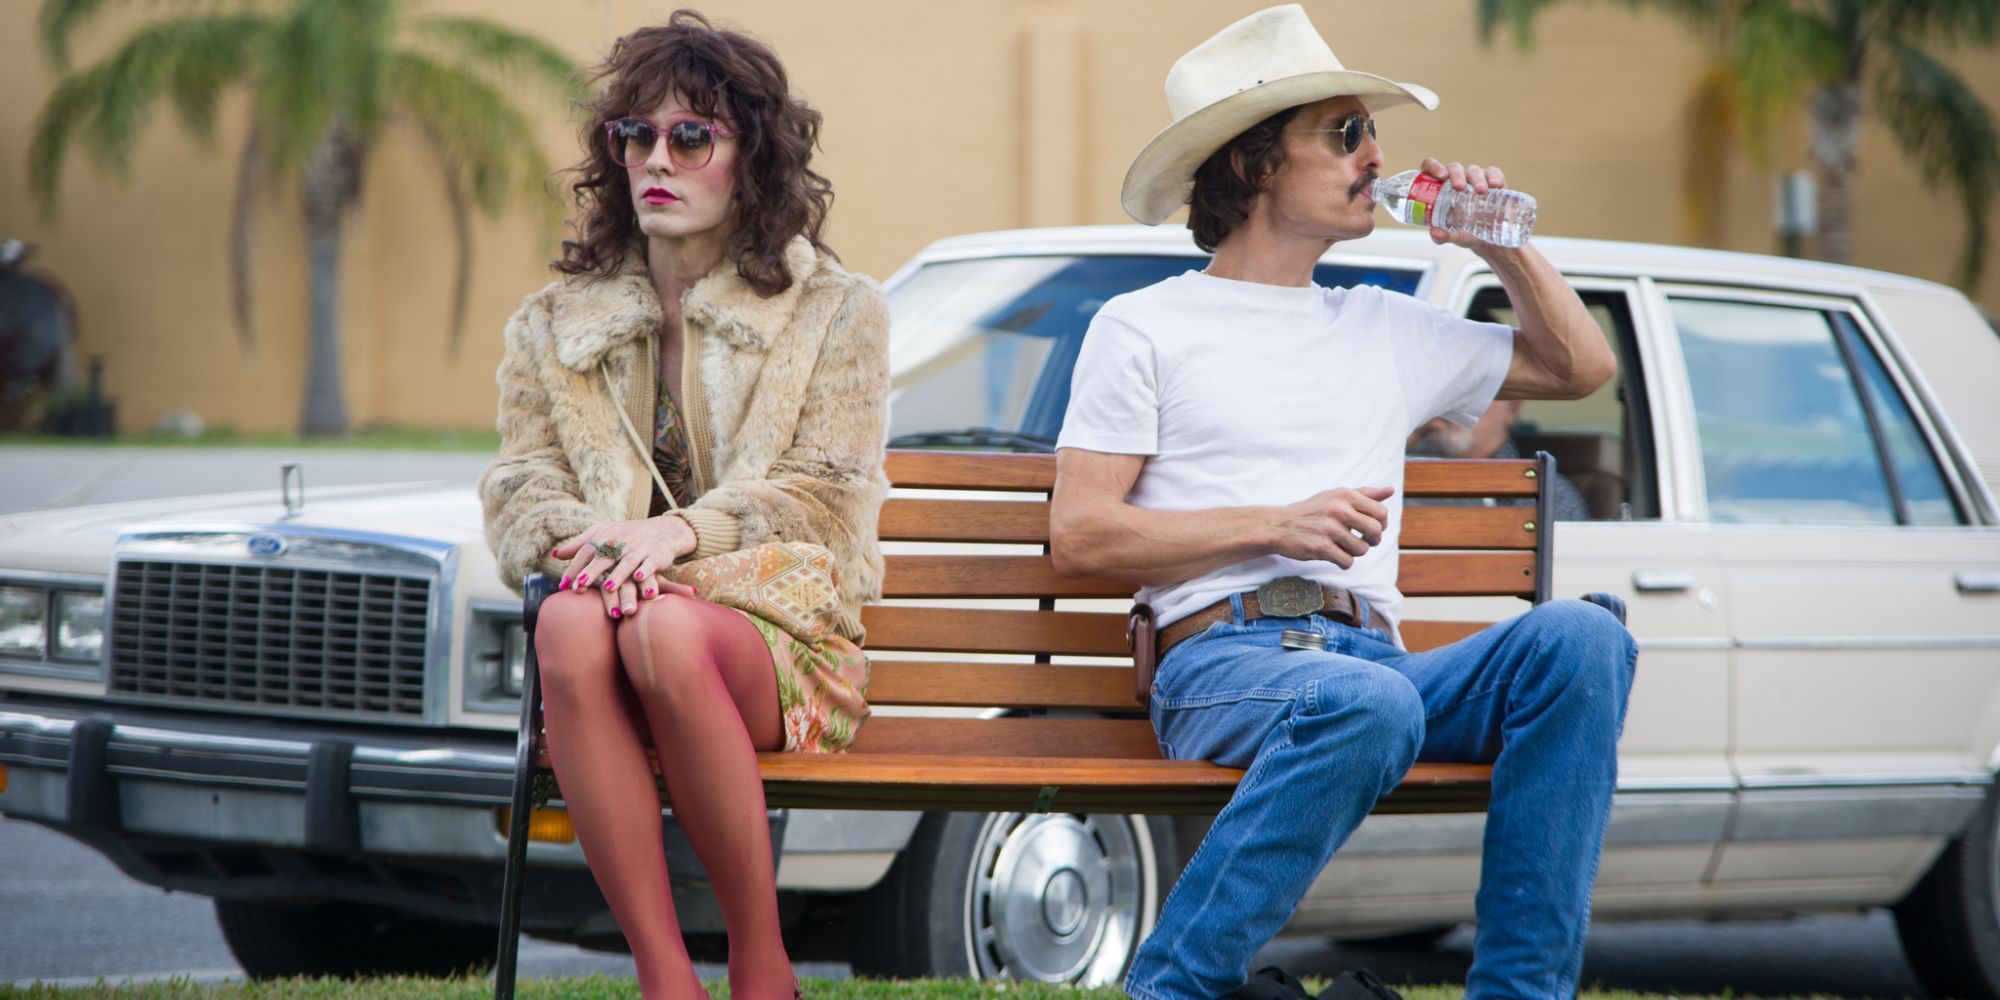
{"x":1978,"y":583}
{"x":1661,"y":581}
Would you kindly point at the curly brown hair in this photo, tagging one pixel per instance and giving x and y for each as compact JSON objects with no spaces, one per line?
{"x":1226,"y":182}
{"x":725,"y":76}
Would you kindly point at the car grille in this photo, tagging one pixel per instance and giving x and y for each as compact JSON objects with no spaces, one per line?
{"x":247,"y":635}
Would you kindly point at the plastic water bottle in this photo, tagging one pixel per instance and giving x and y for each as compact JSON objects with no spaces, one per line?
{"x":1501,"y":216}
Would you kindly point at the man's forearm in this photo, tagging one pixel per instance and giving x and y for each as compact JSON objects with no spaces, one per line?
{"x":1555,"y":327}
{"x":1149,"y":547}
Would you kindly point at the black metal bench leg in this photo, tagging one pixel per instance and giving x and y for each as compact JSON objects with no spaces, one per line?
{"x":507,"y":956}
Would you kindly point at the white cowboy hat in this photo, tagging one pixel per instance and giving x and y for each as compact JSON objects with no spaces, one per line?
{"x":1255,"y":68}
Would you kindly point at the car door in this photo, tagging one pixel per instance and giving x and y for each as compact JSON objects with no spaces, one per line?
{"x":1640,"y":541}
{"x":1865,"y":660}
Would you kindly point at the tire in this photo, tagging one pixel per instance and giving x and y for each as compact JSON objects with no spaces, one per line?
{"x":1950,"y":923}
{"x":274,"y":940}
{"x":1058,"y":898}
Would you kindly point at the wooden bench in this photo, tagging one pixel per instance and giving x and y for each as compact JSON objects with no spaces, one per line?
{"x":1066,"y":737}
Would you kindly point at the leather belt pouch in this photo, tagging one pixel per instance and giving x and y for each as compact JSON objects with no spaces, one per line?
{"x":1140,"y":635}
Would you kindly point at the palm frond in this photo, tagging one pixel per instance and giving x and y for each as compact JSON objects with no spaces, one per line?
{"x":1518,"y":15}
{"x":505,"y":54}
{"x":472,"y":125}
{"x":486,"y":150}
{"x":61,"y":19}
{"x":189,"y":60}
{"x":1950,"y":134}
{"x":1778,"y":53}
{"x":1945,"y":21}
{"x":54,"y":128}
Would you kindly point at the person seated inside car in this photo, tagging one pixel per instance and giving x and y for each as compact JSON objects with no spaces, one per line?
{"x":1492,"y":437}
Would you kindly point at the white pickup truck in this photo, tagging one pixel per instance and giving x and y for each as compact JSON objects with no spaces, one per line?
{"x":311,"y":717}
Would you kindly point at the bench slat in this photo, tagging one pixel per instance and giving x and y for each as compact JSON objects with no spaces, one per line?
{"x":906,"y":519}
{"x":1160,"y":787}
{"x":1059,"y":633}
{"x":971,"y":470}
{"x":989,"y":576}
{"x":1464,"y":477}
{"x":1487,"y":477}
{"x":1424,"y":574}
{"x":979,"y":630}
{"x":999,"y":685}
{"x":1467,"y":574}
{"x":1424,"y":527}
{"x":1009,"y":736}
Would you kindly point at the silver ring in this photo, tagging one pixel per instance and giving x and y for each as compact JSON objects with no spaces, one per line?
{"x":613,"y":551}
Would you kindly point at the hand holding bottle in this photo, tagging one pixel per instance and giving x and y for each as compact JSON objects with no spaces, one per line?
{"x":1465,"y":205}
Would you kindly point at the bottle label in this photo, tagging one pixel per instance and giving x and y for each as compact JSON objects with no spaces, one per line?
{"x":1423,"y":198}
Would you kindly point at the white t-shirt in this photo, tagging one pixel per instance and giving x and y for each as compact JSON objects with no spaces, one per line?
{"x":1246,"y":394}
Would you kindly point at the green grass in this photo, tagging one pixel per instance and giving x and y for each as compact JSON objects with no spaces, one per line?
{"x":601,"y":988}
{"x":384,"y":438}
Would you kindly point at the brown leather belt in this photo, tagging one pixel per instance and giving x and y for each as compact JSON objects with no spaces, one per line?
{"x":1336,"y":604}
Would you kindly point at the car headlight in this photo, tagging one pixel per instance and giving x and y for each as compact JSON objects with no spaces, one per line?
{"x":513,"y":658}
{"x":79,"y":619}
{"x":496,"y":659}
{"x":24,"y":622}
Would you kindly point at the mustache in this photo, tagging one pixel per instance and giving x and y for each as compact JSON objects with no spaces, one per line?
{"x":1366,"y":179}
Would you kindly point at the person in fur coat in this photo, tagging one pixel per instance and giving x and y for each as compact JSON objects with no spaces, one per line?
{"x":701,"y":326}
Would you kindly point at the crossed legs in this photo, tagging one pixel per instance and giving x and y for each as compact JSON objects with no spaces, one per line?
{"x":695,"y":681}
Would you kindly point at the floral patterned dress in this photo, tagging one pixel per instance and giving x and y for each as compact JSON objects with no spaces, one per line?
{"x":822,"y":685}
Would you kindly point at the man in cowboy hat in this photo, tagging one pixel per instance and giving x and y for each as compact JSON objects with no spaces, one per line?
{"x":1233,"y":446}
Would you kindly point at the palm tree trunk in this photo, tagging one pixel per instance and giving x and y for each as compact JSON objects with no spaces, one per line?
{"x":1836,"y":117}
{"x":329,"y":183}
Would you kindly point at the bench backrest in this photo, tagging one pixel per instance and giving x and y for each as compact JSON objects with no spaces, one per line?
{"x":1447,"y":550}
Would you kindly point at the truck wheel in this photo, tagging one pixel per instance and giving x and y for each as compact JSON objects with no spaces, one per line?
{"x":273,"y":940}
{"x":1950,"y":923}
{"x":1058,"y":898}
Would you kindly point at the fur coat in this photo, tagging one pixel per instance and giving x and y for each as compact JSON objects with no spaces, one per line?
{"x":797,"y":387}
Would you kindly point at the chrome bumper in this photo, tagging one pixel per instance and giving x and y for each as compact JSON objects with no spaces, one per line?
{"x":116,"y":777}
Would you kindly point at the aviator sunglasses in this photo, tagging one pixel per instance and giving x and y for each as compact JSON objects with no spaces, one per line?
{"x":690,"y":142}
{"x":1349,"y":130}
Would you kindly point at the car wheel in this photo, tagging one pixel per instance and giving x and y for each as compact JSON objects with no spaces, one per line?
{"x":1950,"y":923}
{"x":1056,"y":898}
{"x":273,"y":940}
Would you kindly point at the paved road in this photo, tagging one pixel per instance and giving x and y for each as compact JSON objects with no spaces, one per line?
{"x":66,"y":913}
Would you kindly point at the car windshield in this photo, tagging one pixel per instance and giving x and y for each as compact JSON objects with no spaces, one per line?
{"x":982,"y":349}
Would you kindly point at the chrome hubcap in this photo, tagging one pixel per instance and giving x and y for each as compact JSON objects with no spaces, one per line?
{"x":1059,"y":898}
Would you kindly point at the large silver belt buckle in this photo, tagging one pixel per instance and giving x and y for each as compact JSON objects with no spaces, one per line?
{"x":1290,"y":597}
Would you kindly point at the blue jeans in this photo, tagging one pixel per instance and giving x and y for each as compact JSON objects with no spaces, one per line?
{"x":1322,"y":735}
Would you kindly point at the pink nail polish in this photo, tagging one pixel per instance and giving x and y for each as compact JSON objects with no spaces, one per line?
{"x":649,"y":591}
{"x":582,"y":580}
{"x":564,"y":585}
{"x":608,"y":584}
{"x":615,"y":613}
{"x":638,"y":574}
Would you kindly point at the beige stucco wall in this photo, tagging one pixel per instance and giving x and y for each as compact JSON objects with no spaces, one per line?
{"x":942,"y":118}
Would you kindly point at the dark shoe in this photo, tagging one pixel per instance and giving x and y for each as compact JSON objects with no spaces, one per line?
{"x":1270,"y":983}
{"x":1358,"y":984}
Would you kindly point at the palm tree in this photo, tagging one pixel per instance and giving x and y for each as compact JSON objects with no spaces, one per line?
{"x":1771,"y":54}
{"x":327,"y":80}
